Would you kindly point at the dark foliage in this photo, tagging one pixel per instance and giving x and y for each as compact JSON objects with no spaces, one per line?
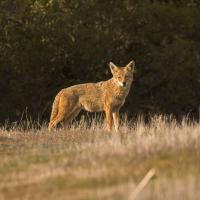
{"x":47,"y":45}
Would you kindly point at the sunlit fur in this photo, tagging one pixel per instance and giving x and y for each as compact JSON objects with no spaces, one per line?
{"x":107,"y":96}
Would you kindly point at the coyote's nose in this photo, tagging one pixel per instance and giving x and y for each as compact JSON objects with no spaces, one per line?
{"x":124,"y":84}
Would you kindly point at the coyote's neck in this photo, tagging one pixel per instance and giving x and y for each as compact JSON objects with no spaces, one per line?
{"x":117,"y":89}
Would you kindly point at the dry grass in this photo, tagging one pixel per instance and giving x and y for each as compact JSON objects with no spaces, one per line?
{"x":90,"y":163}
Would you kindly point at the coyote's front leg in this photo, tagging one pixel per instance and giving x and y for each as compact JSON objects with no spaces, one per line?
{"x":116,"y":120}
{"x":108,"y":119}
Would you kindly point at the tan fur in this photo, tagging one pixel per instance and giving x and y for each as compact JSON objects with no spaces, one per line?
{"x":107,"y":96}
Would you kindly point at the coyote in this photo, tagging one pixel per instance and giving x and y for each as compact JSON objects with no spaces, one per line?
{"x":107,"y":96}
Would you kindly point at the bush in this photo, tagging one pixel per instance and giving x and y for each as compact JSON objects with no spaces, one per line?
{"x":47,"y":45}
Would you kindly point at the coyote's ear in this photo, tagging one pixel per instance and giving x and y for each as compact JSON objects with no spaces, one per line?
{"x":113,"y":67}
{"x":131,"y":66}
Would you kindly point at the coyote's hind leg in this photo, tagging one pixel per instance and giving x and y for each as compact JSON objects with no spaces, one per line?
{"x":66,"y":108}
{"x":58,"y":118}
{"x":71,"y":116}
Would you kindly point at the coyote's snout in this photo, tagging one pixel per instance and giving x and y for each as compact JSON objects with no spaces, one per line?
{"x":107,"y":96}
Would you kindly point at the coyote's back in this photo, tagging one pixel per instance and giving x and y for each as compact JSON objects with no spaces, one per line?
{"x":107,"y":96}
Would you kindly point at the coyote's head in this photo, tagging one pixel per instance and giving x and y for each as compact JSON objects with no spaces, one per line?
{"x":123,"y":76}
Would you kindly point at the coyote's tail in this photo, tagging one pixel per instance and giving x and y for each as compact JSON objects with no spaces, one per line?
{"x":55,"y":107}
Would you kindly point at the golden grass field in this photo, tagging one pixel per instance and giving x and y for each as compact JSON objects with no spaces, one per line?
{"x":88,"y":163}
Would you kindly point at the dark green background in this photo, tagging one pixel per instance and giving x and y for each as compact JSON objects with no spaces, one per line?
{"x":47,"y":45}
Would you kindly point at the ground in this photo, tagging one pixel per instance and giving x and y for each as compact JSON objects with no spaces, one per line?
{"x":89,"y":163}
